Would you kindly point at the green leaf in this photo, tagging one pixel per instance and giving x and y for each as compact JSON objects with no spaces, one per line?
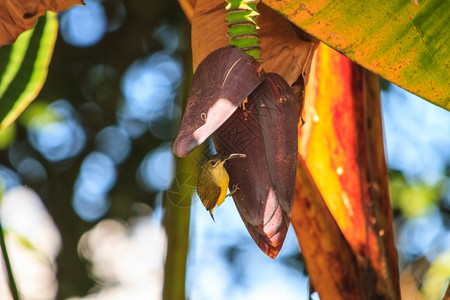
{"x":24,"y":68}
{"x":404,"y":41}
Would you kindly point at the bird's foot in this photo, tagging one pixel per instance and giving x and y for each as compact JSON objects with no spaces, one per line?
{"x":234,"y":190}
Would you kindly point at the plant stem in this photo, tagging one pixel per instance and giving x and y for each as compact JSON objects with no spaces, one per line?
{"x":243,"y":27}
{"x":12,"y":282}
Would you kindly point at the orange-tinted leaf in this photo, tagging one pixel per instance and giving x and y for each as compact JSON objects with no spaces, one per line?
{"x":342,"y":144}
{"x":330,"y":261}
{"x":16,"y":16}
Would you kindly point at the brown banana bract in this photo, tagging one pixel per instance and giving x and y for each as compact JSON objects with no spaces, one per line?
{"x":265,"y":129}
{"x":221,"y":82}
{"x":279,"y":113}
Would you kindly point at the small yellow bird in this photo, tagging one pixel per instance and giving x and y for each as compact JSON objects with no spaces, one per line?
{"x":212,"y":183}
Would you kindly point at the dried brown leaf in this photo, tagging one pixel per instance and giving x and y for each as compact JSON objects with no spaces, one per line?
{"x":282,"y":51}
{"x":16,"y":16}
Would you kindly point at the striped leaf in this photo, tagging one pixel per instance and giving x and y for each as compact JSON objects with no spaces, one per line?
{"x":24,"y":68}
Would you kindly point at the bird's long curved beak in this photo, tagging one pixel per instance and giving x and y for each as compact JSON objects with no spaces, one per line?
{"x":234,"y":155}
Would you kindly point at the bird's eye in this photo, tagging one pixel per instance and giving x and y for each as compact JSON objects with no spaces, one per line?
{"x":213,"y":163}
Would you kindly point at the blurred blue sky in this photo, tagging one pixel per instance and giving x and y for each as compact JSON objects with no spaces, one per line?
{"x":417,"y":135}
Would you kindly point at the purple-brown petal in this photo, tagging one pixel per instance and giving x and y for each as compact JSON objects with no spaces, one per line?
{"x":222,"y":81}
{"x":241,"y":133}
{"x":279,"y":112}
{"x":265,"y":129}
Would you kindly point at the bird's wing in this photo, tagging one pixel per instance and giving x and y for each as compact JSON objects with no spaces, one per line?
{"x":211,"y":198}
{"x":207,"y":191}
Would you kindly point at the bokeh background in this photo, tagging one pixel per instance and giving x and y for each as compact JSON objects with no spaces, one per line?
{"x":83,"y":170}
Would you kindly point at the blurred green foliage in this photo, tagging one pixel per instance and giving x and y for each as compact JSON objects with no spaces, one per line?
{"x":414,"y":199}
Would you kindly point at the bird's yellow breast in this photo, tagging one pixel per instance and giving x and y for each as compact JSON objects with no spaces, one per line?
{"x":221,"y":178}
